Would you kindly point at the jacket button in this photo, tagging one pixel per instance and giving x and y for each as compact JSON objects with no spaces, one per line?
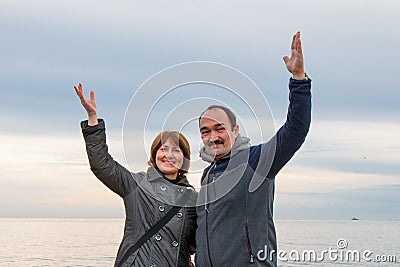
{"x":181,"y":190}
{"x":174,"y":244}
{"x":158,"y":237}
{"x":179,"y":215}
{"x":163,"y":187}
{"x":161,"y":208}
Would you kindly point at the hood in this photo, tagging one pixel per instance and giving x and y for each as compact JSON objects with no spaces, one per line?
{"x":241,"y":143}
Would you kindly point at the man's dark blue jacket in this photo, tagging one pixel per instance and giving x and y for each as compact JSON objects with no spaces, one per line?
{"x":235,"y":212}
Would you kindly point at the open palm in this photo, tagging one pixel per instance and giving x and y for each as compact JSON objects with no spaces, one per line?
{"x":295,"y":63}
{"x":88,"y":104}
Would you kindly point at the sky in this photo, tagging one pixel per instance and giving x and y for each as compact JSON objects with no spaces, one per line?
{"x":348,"y":166}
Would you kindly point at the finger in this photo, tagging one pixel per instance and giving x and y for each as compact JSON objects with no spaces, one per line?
{"x":92,"y":95}
{"x":79,"y":93}
{"x":296,"y":40}
{"x":293,"y":41}
{"x":77,"y":87}
{"x":299,"y":49}
{"x":76,"y":90}
{"x":286,"y":59}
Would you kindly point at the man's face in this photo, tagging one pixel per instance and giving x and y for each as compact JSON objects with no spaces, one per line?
{"x":217,"y":133}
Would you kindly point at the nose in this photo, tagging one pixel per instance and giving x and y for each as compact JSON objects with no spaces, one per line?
{"x":214,"y":136}
{"x":168,"y":153}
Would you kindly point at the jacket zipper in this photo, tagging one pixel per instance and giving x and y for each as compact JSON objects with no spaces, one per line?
{"x":206,"y":204}
{"x":248,"y":243}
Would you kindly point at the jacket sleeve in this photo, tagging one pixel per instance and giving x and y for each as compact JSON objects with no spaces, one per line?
{"x":106,"y":169}
{"x":292,"y":134}
{"x":192,"y":226}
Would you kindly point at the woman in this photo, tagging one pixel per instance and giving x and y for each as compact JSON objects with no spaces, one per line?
{"x":147,"y":195}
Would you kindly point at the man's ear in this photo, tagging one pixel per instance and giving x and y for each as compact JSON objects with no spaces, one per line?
{"x":236,"y":130}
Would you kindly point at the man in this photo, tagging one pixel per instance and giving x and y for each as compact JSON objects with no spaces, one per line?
{"x":235,"y":227}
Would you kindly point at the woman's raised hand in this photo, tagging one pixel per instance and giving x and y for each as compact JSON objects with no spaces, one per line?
{"x":88,"y":104}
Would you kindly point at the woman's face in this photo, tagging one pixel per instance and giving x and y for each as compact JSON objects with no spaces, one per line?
{"x":169,"y":159}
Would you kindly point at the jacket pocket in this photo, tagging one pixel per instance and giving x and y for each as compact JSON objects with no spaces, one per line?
{"x":248,"y":243}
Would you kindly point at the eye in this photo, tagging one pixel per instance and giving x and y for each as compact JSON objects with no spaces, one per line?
{"x":205,"y":132}
{"x":220,"y":129}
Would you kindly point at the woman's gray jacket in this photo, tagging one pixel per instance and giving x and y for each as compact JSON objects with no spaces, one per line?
{"x":147,"y":197}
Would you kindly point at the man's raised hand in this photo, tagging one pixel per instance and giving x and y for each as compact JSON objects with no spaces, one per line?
{"x":295,"y":64}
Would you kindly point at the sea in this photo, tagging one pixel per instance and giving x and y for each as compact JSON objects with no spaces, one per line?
{"x":94,"y":242}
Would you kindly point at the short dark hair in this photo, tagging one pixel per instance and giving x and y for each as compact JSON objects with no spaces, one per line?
{"x":228,"y":112}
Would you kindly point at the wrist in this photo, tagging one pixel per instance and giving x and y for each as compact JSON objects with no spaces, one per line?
{"x":300,"y":76}
{"x":92,"y":120}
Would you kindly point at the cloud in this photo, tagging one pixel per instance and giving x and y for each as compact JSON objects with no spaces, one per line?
{"x":365,"y":202}
{"x":113,"y":47}
{"x":43,"y":173}
{"x":346,"y":168}
{"x":368,"y":147}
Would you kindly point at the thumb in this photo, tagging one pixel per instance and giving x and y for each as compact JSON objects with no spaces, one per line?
{"x":286,"y":59}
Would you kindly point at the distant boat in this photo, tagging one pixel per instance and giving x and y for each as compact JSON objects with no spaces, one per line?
{"x":354,"y":219}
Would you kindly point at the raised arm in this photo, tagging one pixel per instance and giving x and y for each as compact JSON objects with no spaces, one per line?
{"x":292,"y":134}
{"x":106,"y":169}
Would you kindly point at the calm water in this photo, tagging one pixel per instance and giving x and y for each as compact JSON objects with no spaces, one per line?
{"x":379,"y":240}
{"x":82,"y":242}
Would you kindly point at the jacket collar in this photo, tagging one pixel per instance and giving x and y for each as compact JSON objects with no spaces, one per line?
{"x":241,"y":143}
{"x":154,"y":174}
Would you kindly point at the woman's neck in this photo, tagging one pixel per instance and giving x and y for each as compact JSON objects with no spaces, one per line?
{"x":171,"y":176}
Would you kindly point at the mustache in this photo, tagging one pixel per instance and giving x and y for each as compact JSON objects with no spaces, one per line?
{"x":216,"y":142}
